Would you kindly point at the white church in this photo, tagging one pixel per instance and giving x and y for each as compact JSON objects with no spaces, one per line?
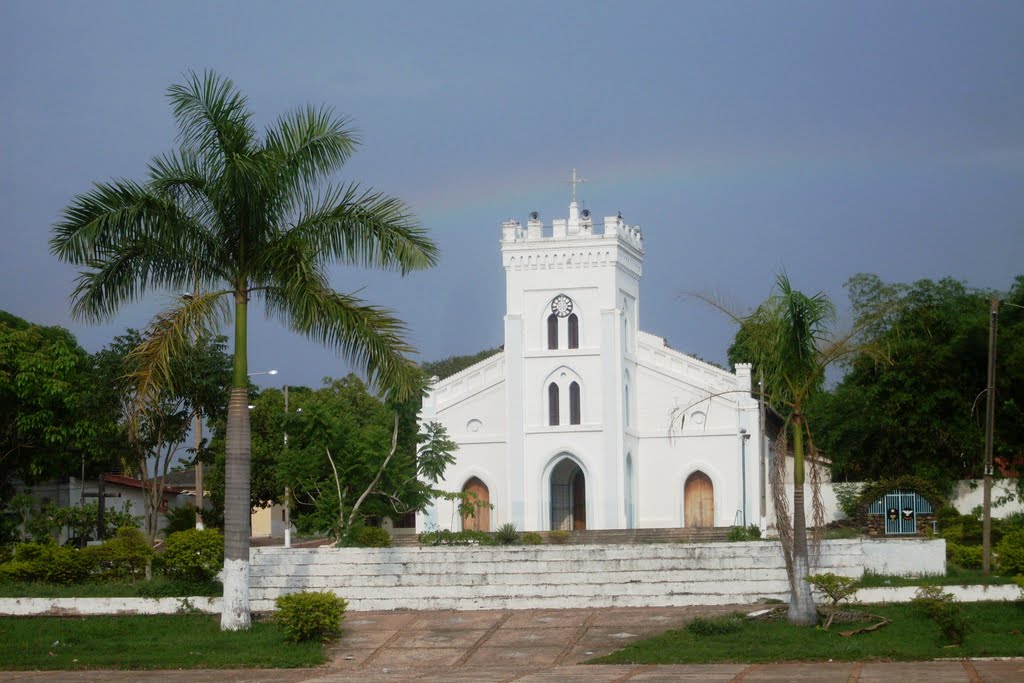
{"x":583,"y":421}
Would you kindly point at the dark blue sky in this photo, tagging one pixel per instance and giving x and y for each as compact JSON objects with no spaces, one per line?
{"x":824,"y":138}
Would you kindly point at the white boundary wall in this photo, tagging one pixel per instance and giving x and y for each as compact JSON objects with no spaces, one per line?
{"x":566,"y":577}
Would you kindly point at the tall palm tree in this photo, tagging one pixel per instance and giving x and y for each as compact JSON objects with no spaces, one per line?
{"x":237,"y":216}
{"x":789,"y":338}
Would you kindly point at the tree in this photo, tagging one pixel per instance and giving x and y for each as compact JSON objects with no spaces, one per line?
{"x":353,"y":458}
{"x":446,"y":367}
{"x":923,"y":413}
{"x":235,"y":216}
{"x":157,"y":431}
{"x":53,"y":420}
{"x":789,"y":337}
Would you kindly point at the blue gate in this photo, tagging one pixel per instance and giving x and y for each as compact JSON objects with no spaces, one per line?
{"x":900,"y":509}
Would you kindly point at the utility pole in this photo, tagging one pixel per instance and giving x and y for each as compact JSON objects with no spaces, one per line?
{"x":990,"y":421}
{"x":287,"y":490}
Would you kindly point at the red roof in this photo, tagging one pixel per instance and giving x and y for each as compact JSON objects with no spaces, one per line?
{"x":134,"y":483}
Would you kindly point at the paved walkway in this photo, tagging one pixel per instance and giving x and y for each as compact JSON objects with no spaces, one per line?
{"x":535,"y":645}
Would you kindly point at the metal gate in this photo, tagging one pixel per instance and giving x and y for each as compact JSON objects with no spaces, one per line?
{"x":900,"y":509}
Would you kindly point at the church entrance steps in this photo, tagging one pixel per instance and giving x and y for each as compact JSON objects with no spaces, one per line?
{"x":565,"y":576}
{"x":615,"y":536}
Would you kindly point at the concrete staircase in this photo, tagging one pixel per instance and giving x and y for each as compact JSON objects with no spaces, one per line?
{"x":613,"y":536}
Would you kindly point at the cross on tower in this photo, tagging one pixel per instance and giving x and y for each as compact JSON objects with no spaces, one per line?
{"x":574,"y":181}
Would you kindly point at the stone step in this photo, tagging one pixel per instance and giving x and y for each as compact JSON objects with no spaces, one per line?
{"x":613,"y":536}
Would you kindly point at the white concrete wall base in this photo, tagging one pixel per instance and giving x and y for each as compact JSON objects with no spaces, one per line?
{"x":73,"y":607}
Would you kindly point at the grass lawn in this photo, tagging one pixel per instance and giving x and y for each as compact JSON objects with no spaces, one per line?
{"x":995,"y":630}
{"x":954,"y":576}
{"x":146,"y":642}
{"x":159,"y":587}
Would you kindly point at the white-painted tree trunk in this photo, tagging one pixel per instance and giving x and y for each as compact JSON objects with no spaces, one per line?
{"x":235,"y":614}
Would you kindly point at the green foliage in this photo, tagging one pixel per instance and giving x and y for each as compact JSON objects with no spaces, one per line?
{"x":443,"y":369}
{"x":715,"y":626}
{"x":181,"y":518}
{"x":836,"y":588}
{"x":748,"y":533}
{"x":848,"y":497}
{"x":177,"y":588}
{"x":448,"y":537}
{"x":52,"y":417}
{"x":944,"y":610}
{"x":919,"y":414}
{"x":965,"y":556}
{"x":1010,"y":553}
{"x":47,"y":562}
{"x":507,"y":534}
{"x":558,"y":536}
{"x":1019,"y":580}
{"x":371,"y":537}
{"x":122,"y":558}
{"x":310,"y":616}
{"x":193,"y":555}
{"x":531,"y":538}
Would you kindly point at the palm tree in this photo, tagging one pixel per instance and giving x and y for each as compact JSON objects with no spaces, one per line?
{"x":236,"y":217}
{"x":788,"y":337}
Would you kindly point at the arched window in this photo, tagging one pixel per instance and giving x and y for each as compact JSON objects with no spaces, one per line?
{"x":625,"y":403}
{"x":574,"y":403}
{"x":553,"y":404}
{"x":552,"y":331}
{"x":574,"y":332}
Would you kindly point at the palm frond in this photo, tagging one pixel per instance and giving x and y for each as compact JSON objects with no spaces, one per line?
{"x":365,"y":228}
{"x":212,"y":115}
{"x":310,"y":144}
{"x":166,"y":339}
{"x":369,"y":337}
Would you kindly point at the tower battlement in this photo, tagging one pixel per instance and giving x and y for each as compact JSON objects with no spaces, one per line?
{"x":578,"y":226}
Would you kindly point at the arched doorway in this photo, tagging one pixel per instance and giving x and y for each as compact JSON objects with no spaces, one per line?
{"x":568,"y":497}
{"x":699,"y":501}
{"x":481,"y":518}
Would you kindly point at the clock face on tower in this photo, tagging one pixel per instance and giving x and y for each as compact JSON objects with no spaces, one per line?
{"x":561,"y":306}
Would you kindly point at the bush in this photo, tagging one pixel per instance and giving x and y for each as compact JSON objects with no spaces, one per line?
{"x":1010,"y":553}
{"x":20,"y":571}
{"x":371,"y":537}
{"x":943,"y":610}
{"x":531,"y":538}
{"x":848,"y":497}
{"x":558,"y":537}
{"x":123,"y":557}
{"x":310,"y":616}
{"x":740,"y":533}
{"x":964,"y":556}
{"x":47,"y":562}
{"x":835,"y":588}
{"x":446,"y":537}
{"x":715,"y":626}
{"x":193,"y":555}
{"x":507,"y":534}
{"x":180,"y":518}
{"x":66,"y":566}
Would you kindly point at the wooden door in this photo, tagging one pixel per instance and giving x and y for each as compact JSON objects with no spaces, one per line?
{"x":579,"y":502}
{"x":699,"y":501}
{"x":481,"y":519}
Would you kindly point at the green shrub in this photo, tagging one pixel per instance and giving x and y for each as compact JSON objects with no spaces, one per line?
{"x":193,"y":555}
{"x":371,"y":537}
{"x":740,"y":533}
{"x":66,"y":566}
{"x":123,"y":557}
{"x":558,"y":536}
{"x":20,"y":571}
{"x":507,"y":534}
{"x":848,"y":497}
{"x":836,"y":588}
{"x":310,"y":616}
{"x":531,"y":538}
{"x":180,"y":518}
{"x":964,"y":556}
{"x":941,"y":608}
{"x":1010,"y":553}
{"x":172,"y":588}
{"x":715,"y":626}
{"x":447,"y":537}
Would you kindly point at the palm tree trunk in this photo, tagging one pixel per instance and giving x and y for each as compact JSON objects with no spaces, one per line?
{"x":801,"y":604}
{"x":235,"y":610}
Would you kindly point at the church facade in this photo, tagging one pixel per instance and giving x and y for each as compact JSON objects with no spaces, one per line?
{"x":583,"y":421}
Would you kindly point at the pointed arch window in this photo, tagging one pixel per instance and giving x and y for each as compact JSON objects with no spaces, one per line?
{"x":553,"y":404}
{"x":574,"y":332}
{"x":552,"y":331}
{"x":574,"y":403}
